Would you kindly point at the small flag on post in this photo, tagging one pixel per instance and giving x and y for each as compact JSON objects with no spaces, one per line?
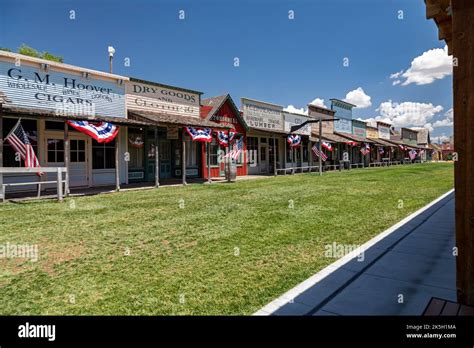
{"x":412,"y":154}
{"x":319,"y":154}
{"x":365,"y":149}
{"x":381,"y":150}
{"x":19,"y":141}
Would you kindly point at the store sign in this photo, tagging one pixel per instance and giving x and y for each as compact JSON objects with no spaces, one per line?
{"x":172,"y":133}
{"x":359,"y":131}
{"x":160,"y":99}
{"x":294,"y":120}
{"x":343,"y":125}
{"x":262,"y":115}
{"x":384,"y":132}
{"x":30,"y":87}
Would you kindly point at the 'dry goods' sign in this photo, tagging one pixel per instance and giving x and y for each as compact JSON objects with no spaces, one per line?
{"x":161,"y":99}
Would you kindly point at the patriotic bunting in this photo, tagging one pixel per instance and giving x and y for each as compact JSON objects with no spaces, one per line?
{"x":412,"y":154}
{"x":327,"y":146}
{"x":319,"y":154}
{"x":294,"y":140}
{"x":200,"y":134}
{"x":352,"y":143}
{"x":402,"y":147}
{"x":102,"y":132}
{"x":381,"y":150}
{"x":224,"y":138}
{"x":136,"y":142}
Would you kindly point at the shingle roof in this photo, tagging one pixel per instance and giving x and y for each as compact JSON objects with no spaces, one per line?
{"x":158,"y":119}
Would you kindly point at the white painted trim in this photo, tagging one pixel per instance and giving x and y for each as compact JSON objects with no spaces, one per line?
{"x":311,"y":281}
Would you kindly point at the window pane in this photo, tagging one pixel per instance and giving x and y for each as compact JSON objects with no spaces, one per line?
{"x":97,"y":158}
{"x":109,"y":158}
{"x":73,"y":156}
{"x":73,"y":144}
{"x":51,"y":156}
{"x":60,"y":156}
{"x":82,"y":156}
{"x":82,"y":144}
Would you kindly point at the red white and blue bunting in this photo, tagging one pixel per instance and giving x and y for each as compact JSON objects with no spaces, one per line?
{"x":294,"y":140}
{"x":365,"y":149}
{"x":136,"y":141}
{"x":224,"y":137}
{"x":200,"y":134}
{"x":327,"y":146}
{"x":412,"y":153}
{"x":102,"y":132}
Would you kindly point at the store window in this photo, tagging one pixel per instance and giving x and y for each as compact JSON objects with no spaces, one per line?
{"x":136,"y":148}
{"x":214,"y":148}
{"x":103,"y":155}
{"x":31,"y":129}
{"x":55,"y":150}
{"x":274,"y":149}
{"x":252,"y":149}
{"x":305,"y":150}
{"x":78,"y":150}
{"x":191,"y":152}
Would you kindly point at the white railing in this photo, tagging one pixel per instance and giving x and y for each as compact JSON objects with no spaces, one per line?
{"x":59,"y":179}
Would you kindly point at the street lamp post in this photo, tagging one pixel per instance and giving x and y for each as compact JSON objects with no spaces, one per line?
{"x":111,"y":56}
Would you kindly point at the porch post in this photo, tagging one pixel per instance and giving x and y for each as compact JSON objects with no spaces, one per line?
{"x":463,"y":86}
{"x":310,"y":155}
{"x":274,"y":155}
{"x":229,"y":159}
{"x":183,"y":157}
{"x":157,"y":160}
{"x":301,"y":154}
{"x":208,"y":161}
{"x":117,"y":168}
{"x":66,"y":158}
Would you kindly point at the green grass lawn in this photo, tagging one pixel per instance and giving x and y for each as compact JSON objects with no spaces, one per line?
{"x":219,"y":249}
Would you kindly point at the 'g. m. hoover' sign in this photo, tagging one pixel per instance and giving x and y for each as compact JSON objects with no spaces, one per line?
{"x":30,"y":87}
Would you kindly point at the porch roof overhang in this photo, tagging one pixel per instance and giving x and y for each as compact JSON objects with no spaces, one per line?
{"x":48,"y":114}
{"x":382,"y":142}
{"x":329,"y":137}
{"x":352,"y":137}
{"x":159,"y":119}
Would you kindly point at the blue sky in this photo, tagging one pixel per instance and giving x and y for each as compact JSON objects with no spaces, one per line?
{"x":284,"y":61}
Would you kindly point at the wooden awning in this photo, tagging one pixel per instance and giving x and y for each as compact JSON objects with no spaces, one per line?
{"x":440,"y":11}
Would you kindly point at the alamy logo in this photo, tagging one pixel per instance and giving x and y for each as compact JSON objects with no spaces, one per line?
{"x":37,"y":331}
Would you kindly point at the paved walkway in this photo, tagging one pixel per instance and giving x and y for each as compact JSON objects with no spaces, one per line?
{"x":403,"y":268}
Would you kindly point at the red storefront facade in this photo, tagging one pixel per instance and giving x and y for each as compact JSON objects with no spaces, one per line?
{"x":223,"y":110}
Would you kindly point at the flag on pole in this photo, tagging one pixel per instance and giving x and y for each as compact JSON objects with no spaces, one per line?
{"x":365,"y":149}
{"x":237,"y":148}
{"x":19,"y":141}
{"x":319,"y":154}
{"x":200,"y":134}
{"x":327,"y":146}
{"x":102,"y":132}
{"x":412,"y":154}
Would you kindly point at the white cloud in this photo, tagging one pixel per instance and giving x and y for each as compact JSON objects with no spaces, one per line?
{"x":432,"y":65}
{"x":407,"y":114}
{"x":447,"y":121}
{"x":318,"y":102}
{"x":358,"y":98}
{"x":396,"y":82}
{"x":295,"y":110}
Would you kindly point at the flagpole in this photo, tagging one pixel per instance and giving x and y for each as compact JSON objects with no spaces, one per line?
{"x":66,"y":157}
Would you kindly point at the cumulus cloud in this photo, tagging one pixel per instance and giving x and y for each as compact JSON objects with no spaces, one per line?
{"x":407,"y":114}
{"x":432,"y":65}
{"x":358,"y":98}
{"x":447,"y":121}
{"x":295,"y":110}
{"x":396,"y":82}
{"x":318,"y":102}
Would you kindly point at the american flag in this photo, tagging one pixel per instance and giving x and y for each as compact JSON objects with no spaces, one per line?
{"x":18,"y":139}
{"x":381,"y":150}
{"x":317,"y":153}
{"x":237,"y":148}
{"x":366,"y":149}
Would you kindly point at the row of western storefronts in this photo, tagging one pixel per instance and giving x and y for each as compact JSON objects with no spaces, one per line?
{"x":109,"y":129}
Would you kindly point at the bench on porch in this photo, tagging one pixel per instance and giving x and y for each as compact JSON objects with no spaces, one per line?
{"x":59,"y":180}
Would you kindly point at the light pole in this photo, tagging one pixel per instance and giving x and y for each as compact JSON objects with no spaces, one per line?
{"x":111,"y":56}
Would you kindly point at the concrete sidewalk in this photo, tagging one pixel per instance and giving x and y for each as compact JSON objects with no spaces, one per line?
{"x":403,"y":268}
